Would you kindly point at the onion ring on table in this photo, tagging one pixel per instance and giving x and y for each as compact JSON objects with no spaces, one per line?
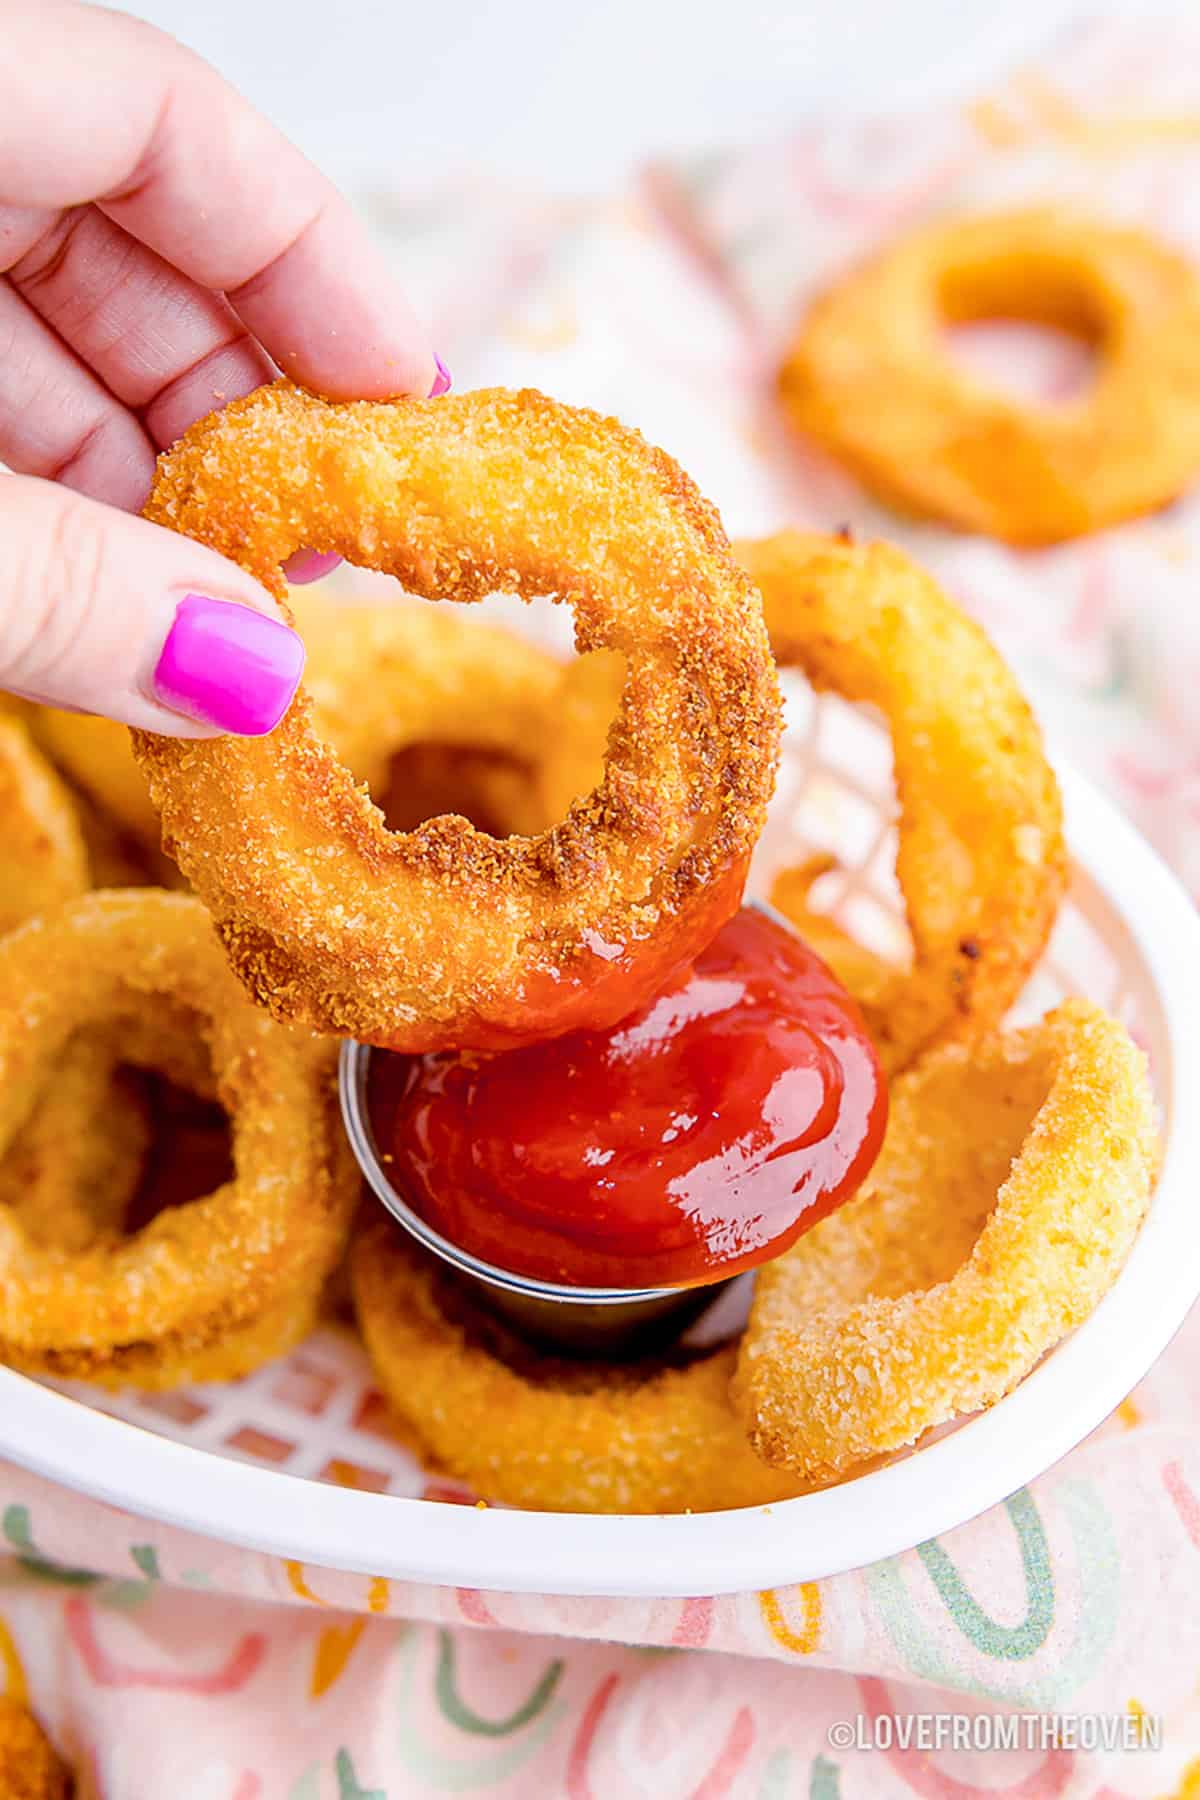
{"x":980,"y":861}
{"x":206,"y":1290}
{"x":443,"y":936}
{"x":30,"y":1767}
{"x":44,"y":858}
{"x":543,"y":1431}
{"x":869,"y":376}
{"x":1012,"y":1182}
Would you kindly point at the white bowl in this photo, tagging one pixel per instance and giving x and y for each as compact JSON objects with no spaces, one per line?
{"x":1129,"y":937}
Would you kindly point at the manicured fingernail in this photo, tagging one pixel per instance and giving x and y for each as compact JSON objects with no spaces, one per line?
{"x":441,"y":383}
{"x":228,"y":666}
{"x":308,"y":565}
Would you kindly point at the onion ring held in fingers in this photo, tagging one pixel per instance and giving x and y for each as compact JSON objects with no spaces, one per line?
{"x":444,"y":936}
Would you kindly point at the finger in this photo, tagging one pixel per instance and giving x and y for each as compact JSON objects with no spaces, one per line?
{"x":167,"y":347}
{"x":57,"y":420}
{"x":187,"y":167}
{"x":106,"y":613}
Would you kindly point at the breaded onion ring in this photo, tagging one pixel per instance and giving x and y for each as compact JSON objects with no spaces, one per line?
{"x":1012,"y":1182}
{"x":30,"y":1767}
{"x":69,"y":1174}
{"x":542,"y":1431}
{"x":869,"y":375}
{"x":206,"y":1290}
{"x":981,"y":861}
{"x":384,"y":679}
{"x":95,"y":755}
{"x":443,"y":936}
{"x":43,"y":860}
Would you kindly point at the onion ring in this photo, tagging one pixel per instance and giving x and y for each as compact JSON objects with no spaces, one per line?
{"x":981,"y":860}
{"x":542,"y":1431}
{"x":870,"y":379}
{"x":443,"y":936}
{"x":384,"y":679}
{"x":30,"y":1767}
{"x":69,"y":1174}
{"x":1012,"y":1182}
{"x":207,"y":1290}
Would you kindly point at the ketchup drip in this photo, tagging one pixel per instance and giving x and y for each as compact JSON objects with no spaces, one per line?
{"x":696,"y":1138}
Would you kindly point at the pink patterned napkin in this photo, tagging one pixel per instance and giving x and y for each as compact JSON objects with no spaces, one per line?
{"x":172,"y":1667}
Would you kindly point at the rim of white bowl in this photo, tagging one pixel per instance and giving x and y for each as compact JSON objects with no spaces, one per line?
{"x":880,"y":1514}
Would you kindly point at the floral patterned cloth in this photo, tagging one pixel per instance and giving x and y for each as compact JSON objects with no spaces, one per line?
{"x":171,"y":1667}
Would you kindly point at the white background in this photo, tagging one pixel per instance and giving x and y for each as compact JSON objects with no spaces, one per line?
{"x":566,"y":94}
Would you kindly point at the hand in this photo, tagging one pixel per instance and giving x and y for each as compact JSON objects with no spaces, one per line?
{"x":162,"y":250}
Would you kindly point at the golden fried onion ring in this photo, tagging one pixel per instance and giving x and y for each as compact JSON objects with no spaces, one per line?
{"x":442,"y":935}
{"x":1012,"y":1182}
{"x":43,"y":859}
{"x":541,"y":1431}
{"x":68,"y":1175}
{"x":981,"y":861}
{"x":869,"y":376}
{"x":30,"y":1767}
{"x":205,"y":1290}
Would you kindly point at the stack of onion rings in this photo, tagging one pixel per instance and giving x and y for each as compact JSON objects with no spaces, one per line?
{"x":870,"y":378}
{"x":543,"y":1431}
{"x":1013,"y":1180}
{"x":444,"y":936}
{"x":204,"y":1291}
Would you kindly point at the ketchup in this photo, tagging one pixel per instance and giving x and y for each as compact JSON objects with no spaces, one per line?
{"x":696,"y":1138}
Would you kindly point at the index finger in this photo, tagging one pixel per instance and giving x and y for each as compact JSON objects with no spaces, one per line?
{"x":97,"y":106}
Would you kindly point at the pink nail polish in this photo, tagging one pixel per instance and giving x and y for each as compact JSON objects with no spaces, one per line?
{"x":228,"y":666}
{"x":304,"y":566}
{"x":441,"y":384}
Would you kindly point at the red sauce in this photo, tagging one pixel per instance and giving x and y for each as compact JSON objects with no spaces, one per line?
{"x":603,"y":979}
{"x":696,"y":1138}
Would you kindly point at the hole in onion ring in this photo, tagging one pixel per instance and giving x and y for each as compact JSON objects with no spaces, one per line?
{"x":1041,"y":365}
{"x":190,"y":1152}
{"x":1038,"y":340}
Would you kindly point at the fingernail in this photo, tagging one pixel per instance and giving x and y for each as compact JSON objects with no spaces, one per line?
{"x":441,"y":383}
{"x":228,"y":666}
{"x":308,"y":565}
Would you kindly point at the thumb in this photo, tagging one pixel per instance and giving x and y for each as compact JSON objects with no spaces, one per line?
{"x":103,"y":612}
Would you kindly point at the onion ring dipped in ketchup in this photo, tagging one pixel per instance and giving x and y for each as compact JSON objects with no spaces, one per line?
{"x":697,"y":1138}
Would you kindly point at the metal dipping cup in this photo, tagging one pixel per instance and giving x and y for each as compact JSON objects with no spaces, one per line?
{"x":595,"y":1321}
